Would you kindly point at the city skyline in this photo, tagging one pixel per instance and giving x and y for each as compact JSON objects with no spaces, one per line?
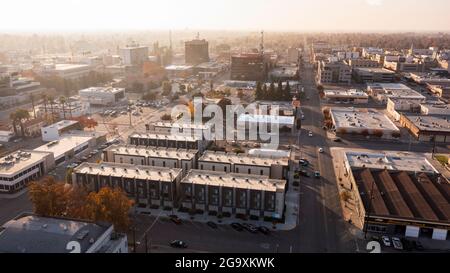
{"x":285,"y":15}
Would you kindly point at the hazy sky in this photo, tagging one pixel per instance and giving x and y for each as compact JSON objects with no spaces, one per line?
{"x":290,"y":15}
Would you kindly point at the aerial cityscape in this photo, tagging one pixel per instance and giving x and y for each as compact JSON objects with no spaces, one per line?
{"x":224,"y":127}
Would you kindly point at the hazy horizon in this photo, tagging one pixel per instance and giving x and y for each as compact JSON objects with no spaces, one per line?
{"x":226,"y":15}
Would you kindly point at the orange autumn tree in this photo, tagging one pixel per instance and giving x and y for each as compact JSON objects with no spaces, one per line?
{"x":58,"y":199}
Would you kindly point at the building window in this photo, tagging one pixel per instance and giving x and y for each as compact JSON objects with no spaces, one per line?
{"x":164,"y":163}
{"x":261,"y":172}
{"x":131,"y":161}
{"x":121,"y":160}
{"x":142,"y":161}
{"x":225,"y":168}
{"x":175,"y":164}
{"x":213,"y":168}
{"x":249,"y":171}
{"x":201,"y":167}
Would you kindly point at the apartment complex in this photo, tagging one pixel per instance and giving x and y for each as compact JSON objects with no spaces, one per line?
{"x":169,"y":141}
{"x":276,"y":168}
{"x":152,"y":156}
{"x":186,"y":129}
{"x":248,"y":67}
{"x":29,"y":233}
{"x":196,"y":51}
{"x":231,"y":193}
{"x":147,"y":185}
{"x":21,"y":167}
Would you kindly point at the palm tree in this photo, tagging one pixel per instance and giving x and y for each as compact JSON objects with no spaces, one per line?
{"x":63,"y":101}
{"x":45,"y":98}
{"x":22,"y":114}
{"x":32,"y":105}
{"x":52,"y":101}
{"x":13,"y":118}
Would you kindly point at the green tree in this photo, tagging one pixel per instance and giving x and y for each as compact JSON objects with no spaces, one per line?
{"x":62,"y":101}
{"x":265,"y":92}
{"x":279,"y":94}
{"x":18,"y":117}
{"x":259,"y":92}
{"x":287,"y":92}
{"x":271,"y":93}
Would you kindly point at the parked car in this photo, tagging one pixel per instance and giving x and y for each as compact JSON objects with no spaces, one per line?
{"x":249,"y":227}
{"x":397,"y":243}
{"x":407,"y":244}
{"x":176,"y":220}
{"x":178,"y":244}
{"x":264,"y":230}
{"x":237,"y":226}
{"x":303,"y":162}
{"x":317,"y":174}
{"x":386,"y":241}
{"x":321,"y":150}
{"x":310,"y":134}
{"x":304,"y":173}
{"x":212,"y":224}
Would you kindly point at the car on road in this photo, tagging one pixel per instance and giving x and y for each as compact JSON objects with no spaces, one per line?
{"x":175,"y":220}
{"x":321,"y":150}
{"x":397,"y":243}
{"x":303,"y":162}
{"x":310,"y":134}
{"x":212,"y":224}
{"x":317,"y":174}
{"x":249,"y":227}
{"x":264,"y":230}
{"x":386,"y":241}
{"x":178,"y":244}
{"x":237,"y":226}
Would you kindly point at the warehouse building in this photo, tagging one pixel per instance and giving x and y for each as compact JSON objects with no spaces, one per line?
{"x":400,"y":194}
{"x":224,"y":193}
{"x":431,"y":128}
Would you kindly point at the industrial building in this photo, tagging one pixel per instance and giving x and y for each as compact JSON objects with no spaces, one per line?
{"x":21,"y":167}
{"x":248,"y":67}
{"x":399,"y":193}
{"x":29,"y":233}
{"x":224,"y":193}
{"x":431,"y":128}
{"x":273,"y":167}
{"x":147,"y":185}
{"x":381,"y":92}
{"x":152,"y":156}
{"x":363,"y":122}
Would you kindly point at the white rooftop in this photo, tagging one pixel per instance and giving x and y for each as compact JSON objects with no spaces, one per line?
{"x":182,"y":125}
{"x":61,"y":124}
{"x":64,"y":144}
{"x":346,"y":93}
{"x":281,"y":120}
{"x":234,"y":180}
{"x":94,"y":90}
{"x":371,"y":119}
{"x":180,"y":137}
{"x":63,"y":67}
{"x":20,"y":160}
{"x":256,"y":160}
{"x":182,"y":154}
{"x":401,"y":161}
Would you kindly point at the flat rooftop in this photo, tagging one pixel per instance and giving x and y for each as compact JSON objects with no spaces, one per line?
{"x":368,"y":70}
{"x":20,"y":160}
{"x":371,"y":119}
{"x":395,"y":161}
{"x":182,"y":154}
{"x":381,"y":85}
{"x":128,"y":171}
{"x":354,"y":93}
{"x":437,"y":109}
{"x":64,"y":144}
{"x":109,"y":89}
{"x":61,"y":124}
{"x":430,"y":122}
{"x":179,"y":67}
{"x":234,"y":180}
{"x":191,"y":125}
{"x":35,"y":234}
{"x":233,"y":158}
{"x":180,"y":137}
{"x":65,"y":67}
{"x":399,"y":194}
{"x":281,"y":120}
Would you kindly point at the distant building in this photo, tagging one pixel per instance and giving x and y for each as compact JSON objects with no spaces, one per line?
{"x":223,"y":193}
{"x":364,"y":75}
{"x":430,"y":128}
{"x":334,"y":72}
{"x":21,"y":167}
{"x":441,"y":91}
{"x":356,"y":63}
{"x":72,"y":109}
{"x":134,"y":55}
{"x":169,"y":141}
{"x":196,"y":51}
{"x":54,"y":131}
{"x":284,"y":73}
{"x":293,"y":55}
{"x":179,"y":71}
{"x":102,"y":96}
{"x":148,"y":186}
{"x":248,"y":67}
{"x":66,"y":71}
{"x":28,"y":233}
{"x":6,"y":136}
{"x":351,"y":96}
{"x":431,"y":79}
{"x":382,"y":91}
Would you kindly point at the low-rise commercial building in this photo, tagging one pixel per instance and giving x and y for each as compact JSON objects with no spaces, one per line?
{"x":201,"y":130}
{"x":334,"y":72}
{"x":21,"y":167}
{"x":381,"y":92}
{"x":273,"y":167}
{"x":431,"y":79}
{"x":372,"y":74}
{"x":179,"y":71}
{"x":152,"y":156}
{"x":432,"y":128}
{"x":28,"y":233}
{"x":149,"y":186}
{"x":364,"y":122}
{"x":169,"y":141}
{"x":102,"y":96}
{"x":441,"y":91}
{"x":352,"y":96}
{"x":356,"y":63}
{"x":66,"y":71}
{"x":399,"y":193}
{"x":55,"y":130}
{"x":248,"y":67}
{"x":231,"y":193}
